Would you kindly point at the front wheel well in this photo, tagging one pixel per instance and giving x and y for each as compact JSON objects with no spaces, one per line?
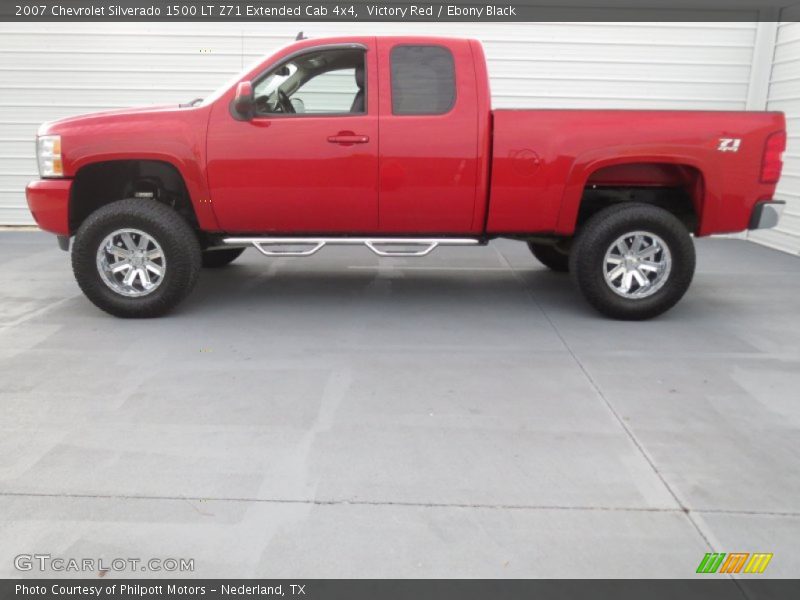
{"x":101,"y":183}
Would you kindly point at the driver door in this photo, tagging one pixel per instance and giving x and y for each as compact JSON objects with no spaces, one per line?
{"x":310,"y":171}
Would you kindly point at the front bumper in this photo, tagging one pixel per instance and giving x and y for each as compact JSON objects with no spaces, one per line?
{"x":766,"y":214}
{"x":48,"y":200}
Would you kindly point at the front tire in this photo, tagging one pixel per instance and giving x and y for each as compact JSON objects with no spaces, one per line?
{"x":136,"y":258}
{"x":633,"y":261}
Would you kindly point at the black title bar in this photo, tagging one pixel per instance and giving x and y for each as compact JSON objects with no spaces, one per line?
{"x":393,"y":10}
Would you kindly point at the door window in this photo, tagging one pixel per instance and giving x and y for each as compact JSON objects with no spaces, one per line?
{"x":325,"y":82}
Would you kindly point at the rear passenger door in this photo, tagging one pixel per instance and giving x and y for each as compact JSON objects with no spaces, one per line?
{"x":428,"y":165}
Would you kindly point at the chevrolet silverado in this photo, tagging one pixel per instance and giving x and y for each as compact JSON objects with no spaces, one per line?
{"x":392,"y":143}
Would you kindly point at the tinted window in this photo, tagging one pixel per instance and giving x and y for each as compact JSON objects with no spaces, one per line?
{"x":423,"y":80}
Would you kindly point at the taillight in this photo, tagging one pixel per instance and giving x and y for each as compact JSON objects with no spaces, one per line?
{"x":772,"y":164}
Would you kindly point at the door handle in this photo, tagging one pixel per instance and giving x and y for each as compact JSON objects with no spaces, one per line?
{"x":347,"y":138}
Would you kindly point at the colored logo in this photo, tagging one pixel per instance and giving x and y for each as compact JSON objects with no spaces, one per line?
{"x":735,"y":562}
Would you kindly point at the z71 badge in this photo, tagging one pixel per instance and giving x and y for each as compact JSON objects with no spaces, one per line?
{"x":729,"y":144}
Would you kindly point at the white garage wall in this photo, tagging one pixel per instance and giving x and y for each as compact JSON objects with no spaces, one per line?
{"x":784,"y":95}
{"x":49,"y":71}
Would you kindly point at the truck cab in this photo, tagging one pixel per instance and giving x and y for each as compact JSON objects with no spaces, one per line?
{"x":365,"y":135}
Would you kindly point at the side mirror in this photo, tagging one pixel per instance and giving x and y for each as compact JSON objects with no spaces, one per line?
{"x":244,"y":102}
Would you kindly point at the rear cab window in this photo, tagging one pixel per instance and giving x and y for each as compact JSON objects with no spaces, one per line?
{"x":423,"y":80}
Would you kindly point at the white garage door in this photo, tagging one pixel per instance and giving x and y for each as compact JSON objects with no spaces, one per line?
{"x":784,"y":95}
{"x":48,"y":71}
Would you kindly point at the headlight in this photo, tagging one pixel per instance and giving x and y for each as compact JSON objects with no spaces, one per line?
{"x":48,"y":154}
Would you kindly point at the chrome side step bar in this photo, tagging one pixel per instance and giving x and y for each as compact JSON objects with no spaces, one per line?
{"x":271,"y":246}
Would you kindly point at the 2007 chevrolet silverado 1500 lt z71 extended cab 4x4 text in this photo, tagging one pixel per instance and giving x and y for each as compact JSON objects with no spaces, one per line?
{"x":392,"y":143}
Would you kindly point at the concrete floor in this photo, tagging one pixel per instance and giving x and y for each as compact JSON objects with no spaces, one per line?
{"x":463,"y":415}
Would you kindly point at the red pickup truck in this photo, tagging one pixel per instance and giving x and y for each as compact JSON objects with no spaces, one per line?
{"x":392,"y":143}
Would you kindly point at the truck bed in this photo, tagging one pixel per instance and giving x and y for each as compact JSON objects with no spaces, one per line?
{"x":546,"y":158}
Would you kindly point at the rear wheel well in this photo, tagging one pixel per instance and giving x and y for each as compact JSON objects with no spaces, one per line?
{"x":101,"y":183}
{"x":675,"y":188}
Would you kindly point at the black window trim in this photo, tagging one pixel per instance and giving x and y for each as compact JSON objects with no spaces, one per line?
{"x":321,"y":48}
{"x":455,"y":81}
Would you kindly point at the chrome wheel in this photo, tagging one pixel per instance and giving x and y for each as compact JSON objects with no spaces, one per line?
{"x":131,"y":262}
{"x":637,"y":265}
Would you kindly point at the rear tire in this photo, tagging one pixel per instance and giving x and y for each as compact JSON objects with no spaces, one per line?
{"x":214,"y":259}
{"x":550,"y":256}
{"x":633,"y":261}
{"x":136,"y":258}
